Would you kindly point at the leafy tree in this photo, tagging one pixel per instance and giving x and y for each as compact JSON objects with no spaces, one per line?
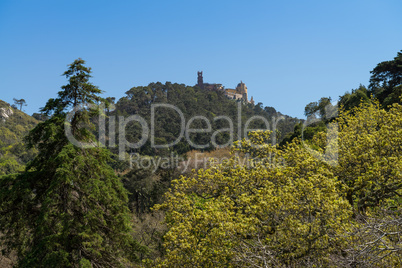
{"x":20,"y":103}
{"x":147,"y":185}
{"x":9,"y":164}
{"x":386,"y":81}
{"x":370,"y":146}
{"x":68,"y":209}
{"x":318,"y":113}
{"x":323,"y":108}
{"x":13,"y":154}
{"x":265,"y":213}
{"x":281,"y":208}
{"x":375,"y":240}
{"x":311,"y":109}
{"x":39,"y":116}
{"x":191,"y":102}
{"x":110,"y":103}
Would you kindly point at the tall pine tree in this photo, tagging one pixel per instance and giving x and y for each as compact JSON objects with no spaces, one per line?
{"x":68,"y":209}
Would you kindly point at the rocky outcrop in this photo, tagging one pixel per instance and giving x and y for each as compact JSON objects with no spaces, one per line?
{"x":5,"y":113}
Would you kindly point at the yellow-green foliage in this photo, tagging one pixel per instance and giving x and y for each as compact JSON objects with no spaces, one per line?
{"x":370,"y":149}
{"x":280,"y":209}
{"x":293,"y":207}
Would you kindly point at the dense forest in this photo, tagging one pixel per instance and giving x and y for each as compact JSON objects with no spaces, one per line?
{"x":320,"y":192}
{"x":192,"y":102}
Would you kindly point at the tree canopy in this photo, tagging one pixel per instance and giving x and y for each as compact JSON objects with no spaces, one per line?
{"x":328,"y":196}
{"x":282,"y":208}
{"x":13,"y":128}
{"x":20,"y":103}
{"x":386,"y":81}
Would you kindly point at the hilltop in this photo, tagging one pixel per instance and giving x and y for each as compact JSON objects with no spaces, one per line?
{"x":191,"y":101}
{"x":200,"y":109}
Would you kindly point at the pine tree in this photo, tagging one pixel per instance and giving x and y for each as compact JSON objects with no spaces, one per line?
{"x":68,"y":209}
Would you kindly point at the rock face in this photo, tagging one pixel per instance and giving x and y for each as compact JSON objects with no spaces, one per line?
{"x":5,"y":113}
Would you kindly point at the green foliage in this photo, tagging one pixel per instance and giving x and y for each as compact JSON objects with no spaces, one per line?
{"x":192,"y":102}
{"x":323,"y":108}
{"x":311,"y":109}
{"x":385,"y":86}
{"x":147,"y":185}
{"x":306,"y":133}
{"x":13,"y":153}
{"x":288,"y":208}
{"x":375,"y":240}
{"x":282,"y":210}
{"x":9,"y":164}
{"x":20,"y":103}
{"x":282,"y":207}
{"x":370,"y":146}
{"x":69,"y":208}
{"x":386,"y":80}
{"x":318,"y":114}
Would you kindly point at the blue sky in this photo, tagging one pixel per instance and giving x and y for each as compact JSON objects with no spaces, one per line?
{"x":288,"y":53}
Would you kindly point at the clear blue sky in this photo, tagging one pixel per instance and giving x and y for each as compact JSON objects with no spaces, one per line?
{"x":288,"y":53}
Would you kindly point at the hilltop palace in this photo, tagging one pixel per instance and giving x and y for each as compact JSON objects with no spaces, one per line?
{"x":240,"y":93}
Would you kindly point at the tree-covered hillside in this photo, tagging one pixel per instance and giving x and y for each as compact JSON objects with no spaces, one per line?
{"x":138,"y":100}
{"x":328,"y":195}
{"x":194,"y":103}
{"x":147,"y":184}
{"x":14,"y":125}
{"x":68,"y":208}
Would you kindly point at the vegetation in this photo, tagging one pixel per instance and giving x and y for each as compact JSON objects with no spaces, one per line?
{"x":385,"y":87}
{"x":283,"y":209}
{"x":68,"y":209}
{"x":14,"y":125}
{"x":20,"y":103}
{"x":288,"y":208}
{"x":193,"y":102}
{"x":370,"y":145}
{"x":386,"y":81}
{"x":329,"y":195}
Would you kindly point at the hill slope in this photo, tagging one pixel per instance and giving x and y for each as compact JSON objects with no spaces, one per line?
{"x":194,"y":103}
{"x":14,"y":125}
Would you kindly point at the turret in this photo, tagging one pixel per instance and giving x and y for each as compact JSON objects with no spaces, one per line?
{"x":200,"y":80}
{"x":242,"y":89}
